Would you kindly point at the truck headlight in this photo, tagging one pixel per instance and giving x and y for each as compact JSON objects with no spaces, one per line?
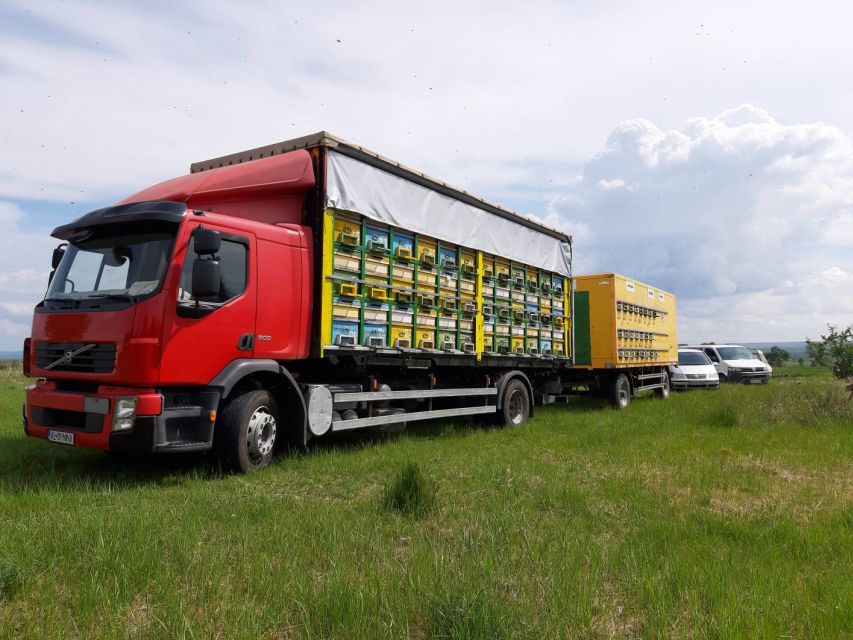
{"x":125,"y":414}
{"x":125,"y":407}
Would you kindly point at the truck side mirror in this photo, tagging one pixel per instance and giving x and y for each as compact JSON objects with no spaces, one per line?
{"x":55,"y":260}
{"x":57,"y":255}
{"x":206,"y":279}
{"x":206,"y":241}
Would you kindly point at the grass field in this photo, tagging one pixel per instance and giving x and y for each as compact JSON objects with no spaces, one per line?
{"x":723,"y":514}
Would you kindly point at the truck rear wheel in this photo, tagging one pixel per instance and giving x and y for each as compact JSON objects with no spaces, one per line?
{"x":515,"y":406}
{"x":246,"y":431}
{"x":619,"y":392}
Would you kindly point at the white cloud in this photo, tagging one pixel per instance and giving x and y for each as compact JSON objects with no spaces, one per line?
{"x":731,"y":214}
{"x":612,"y":184}
{"x":835,"y":275}
{"x":115,"y":95}
{"x":13,"y":331}
{"x":24,"y":268}
{"x":17,"y":309}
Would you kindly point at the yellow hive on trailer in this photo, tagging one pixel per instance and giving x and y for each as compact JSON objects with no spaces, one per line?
{"x":620,"y":322}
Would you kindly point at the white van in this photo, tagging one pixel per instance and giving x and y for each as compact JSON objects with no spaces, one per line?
{"x":735,"y":363}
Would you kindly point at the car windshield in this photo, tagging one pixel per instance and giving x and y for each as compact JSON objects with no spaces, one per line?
{"x":121,"y":267}
{"x":692,"y":357}
{"x":735,"y":353}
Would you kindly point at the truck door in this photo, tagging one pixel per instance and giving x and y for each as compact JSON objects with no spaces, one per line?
{"x":200,"y":340}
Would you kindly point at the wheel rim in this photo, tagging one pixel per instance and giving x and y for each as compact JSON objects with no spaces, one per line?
{"x":624,"y":393}
{"x":260,"y":435}
{"x":516,"y":407}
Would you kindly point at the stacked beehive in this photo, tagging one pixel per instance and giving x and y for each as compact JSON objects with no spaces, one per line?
{"x":387,"y":287}
{"x":524,"y":309}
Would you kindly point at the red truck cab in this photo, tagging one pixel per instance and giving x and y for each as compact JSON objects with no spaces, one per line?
{"x":126,"y":359}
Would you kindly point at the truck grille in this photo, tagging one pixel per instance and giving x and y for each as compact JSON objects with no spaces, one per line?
{"x":696,"y":376}
{"x":101,"y":358}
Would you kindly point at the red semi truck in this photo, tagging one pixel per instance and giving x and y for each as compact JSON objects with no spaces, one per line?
{"x":308,"y":287}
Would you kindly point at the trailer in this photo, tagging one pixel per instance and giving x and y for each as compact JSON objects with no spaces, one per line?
{"x":624,"y":331}
{"x":312,"y":286}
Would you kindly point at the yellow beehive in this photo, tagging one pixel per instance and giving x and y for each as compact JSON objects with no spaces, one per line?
{"x":620,"y":322}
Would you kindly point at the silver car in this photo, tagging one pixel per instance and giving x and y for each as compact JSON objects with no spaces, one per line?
{"x":693,"y":371}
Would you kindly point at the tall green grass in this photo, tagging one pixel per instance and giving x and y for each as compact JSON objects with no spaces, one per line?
{"x":715,"y":514}
{"x":10,"y":370}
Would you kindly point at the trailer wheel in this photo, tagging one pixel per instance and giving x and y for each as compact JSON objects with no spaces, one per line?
{"x":619,"y":393}
{"x":246,"y":431}
{"x":663,"y":392}
{"x":515,"y":407}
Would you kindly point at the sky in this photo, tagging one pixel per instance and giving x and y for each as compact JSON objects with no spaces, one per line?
{"x":704,"y":150}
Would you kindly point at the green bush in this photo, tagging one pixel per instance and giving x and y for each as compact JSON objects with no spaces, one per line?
{"x":410,"y":493}
{"x":10,"y":578}
{"x":726,"y":415}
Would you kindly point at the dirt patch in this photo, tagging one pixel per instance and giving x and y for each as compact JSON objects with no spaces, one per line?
{"x":611,"y":617}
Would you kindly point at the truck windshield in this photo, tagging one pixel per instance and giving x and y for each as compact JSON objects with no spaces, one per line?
{"x":115,"y":267}
{"x":735,"y":353}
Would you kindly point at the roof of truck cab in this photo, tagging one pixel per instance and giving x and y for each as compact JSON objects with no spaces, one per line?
{"x":330,"y":141}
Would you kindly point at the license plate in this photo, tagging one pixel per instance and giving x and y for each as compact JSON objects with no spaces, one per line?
{"x":751,"y":381}
{"x":62,"y":437}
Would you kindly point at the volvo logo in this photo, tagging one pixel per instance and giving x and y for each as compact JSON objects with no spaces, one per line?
{"x":68,"y":356}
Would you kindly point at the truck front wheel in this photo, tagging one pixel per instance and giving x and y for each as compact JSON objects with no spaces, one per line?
{"x":619,"y":393}
{"x":246,"y":431}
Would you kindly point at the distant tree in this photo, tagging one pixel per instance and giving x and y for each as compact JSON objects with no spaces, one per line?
{"x":801,"y":361}
{"x":777,"y":356}
{"x":835,"y":349}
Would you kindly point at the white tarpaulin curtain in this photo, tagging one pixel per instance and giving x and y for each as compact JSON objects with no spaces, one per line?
{"x":355,"y":186}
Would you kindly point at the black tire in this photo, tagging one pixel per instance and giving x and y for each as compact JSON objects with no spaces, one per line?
{"x":663,"y":392}
{"x":619,"y":393}
{"x":246,"y":431}
{"x":723,"y":378}
{"x":515,"y":405}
